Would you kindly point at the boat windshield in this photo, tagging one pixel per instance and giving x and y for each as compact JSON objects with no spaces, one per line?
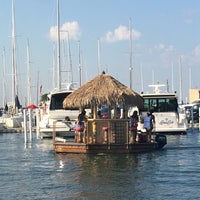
{"x":160,"y":104}
{"x":56,"y":101}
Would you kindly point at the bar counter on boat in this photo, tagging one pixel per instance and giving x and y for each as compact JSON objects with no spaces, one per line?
{"x":106,"y":136}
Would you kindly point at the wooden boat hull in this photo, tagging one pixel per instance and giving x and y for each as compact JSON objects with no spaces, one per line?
{"x":97,"y":138}
{"x":60,"y":147}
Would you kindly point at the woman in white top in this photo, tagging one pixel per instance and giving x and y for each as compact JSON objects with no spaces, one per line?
{"x":149,"y":120}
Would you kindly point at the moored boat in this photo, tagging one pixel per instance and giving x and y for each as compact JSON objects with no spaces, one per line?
{"x":192,"y":113}
{"x":169,"y":117}
{"x":54,"y":112}
{"x":14,"y":121}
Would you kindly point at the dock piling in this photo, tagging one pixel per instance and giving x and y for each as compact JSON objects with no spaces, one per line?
{"x":25,"y":126}
{"x":30,"y":124}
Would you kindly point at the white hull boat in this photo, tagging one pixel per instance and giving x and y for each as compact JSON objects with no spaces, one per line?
{"x":53,"y":116}
{"x":14,"y":121}
{"x":169,"y":117}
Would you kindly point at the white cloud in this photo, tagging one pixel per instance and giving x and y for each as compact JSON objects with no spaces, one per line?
{"x":189,"y":15}
{"x":164,"y":48}
{"x":195,"y":56}
{"x":69,"y":27}
{"x":188,"y":21}
{"x":160,"y":46}
{"x":121,"y":33}
{"x":166,"y":54}
{"x":197,"y":51}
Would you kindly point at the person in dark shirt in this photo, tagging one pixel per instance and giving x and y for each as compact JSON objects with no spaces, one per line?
{"x":81,"y":127}
{"x":133,"y":123}
{"x":82,"y":118}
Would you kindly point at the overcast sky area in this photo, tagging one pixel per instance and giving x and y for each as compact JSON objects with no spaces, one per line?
{"x":165,"y":39}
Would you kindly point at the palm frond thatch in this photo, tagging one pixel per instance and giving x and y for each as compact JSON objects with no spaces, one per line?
{"x":103,"y":89}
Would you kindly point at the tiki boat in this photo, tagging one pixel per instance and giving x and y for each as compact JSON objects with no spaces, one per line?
{"x":106,"y":136}
{"x":109,"y":135}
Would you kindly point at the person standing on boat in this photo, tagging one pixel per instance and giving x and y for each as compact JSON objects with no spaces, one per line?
{"x":82,"y":118}
{"x":133,"y":124}
{"x":149,"y":121}
{"x":80,"y":128}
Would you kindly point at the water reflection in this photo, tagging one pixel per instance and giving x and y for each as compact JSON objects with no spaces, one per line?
{"x":36,"y":172}
{"x":110,"y":176}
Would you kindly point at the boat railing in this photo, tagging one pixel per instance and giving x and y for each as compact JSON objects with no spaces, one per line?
{"x":100,"y":131}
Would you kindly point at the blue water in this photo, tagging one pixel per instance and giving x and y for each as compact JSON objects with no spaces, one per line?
{"x":34,"y":171}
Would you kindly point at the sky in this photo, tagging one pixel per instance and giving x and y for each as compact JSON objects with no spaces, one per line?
{"x":165,"y":43}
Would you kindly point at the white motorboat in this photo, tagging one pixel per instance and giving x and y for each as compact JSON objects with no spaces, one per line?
{"x":169,"y":117}
{"x":53,"y":115}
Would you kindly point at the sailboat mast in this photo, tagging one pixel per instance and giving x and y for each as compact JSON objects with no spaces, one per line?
{"x":70,"y":60}
{"x":54,"y":67}
{"x":172,"y":77}
{"x":141,"y":77}
{"x":99,"y":57}
{"x":58,"y":47}
{"x":181,"y":89}
{"x":79,"y":64}
{"x":131,"y":52}
{"x":28,"y":76}
{"x":190,"y":79}
{"x":14,"y":73}
{"x":4,"y":78}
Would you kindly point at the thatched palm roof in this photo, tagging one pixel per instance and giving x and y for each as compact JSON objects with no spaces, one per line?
{"x":103,"y":89}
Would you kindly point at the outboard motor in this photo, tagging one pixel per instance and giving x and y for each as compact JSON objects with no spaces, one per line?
{"x":161,"y":140}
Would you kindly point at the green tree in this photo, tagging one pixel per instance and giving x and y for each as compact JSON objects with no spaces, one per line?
{"x":44,"y":98}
